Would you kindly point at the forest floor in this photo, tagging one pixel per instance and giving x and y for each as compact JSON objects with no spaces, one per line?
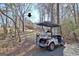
{"x":27,"y":47}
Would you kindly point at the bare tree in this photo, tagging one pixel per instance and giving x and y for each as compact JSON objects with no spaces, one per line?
{"x":23,"y":9}
{"x":16,"y":28}
{"x":58,"y":13}
{"x":77,"y":13}
{"x":74,"y":13}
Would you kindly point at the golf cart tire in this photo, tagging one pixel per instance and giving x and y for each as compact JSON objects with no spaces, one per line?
{"x":51,"y":46}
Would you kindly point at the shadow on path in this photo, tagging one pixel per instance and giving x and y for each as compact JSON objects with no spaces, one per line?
{"x":57,"y":52}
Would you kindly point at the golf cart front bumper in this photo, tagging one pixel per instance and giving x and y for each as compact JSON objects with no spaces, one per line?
{"x":42,"y":42}
{"x":43,"y":45}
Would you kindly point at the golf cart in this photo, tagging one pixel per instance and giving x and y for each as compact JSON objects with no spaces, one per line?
{"x":49,"y":38}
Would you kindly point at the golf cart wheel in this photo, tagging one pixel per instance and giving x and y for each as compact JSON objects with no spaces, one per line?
{"x":51,"y":46}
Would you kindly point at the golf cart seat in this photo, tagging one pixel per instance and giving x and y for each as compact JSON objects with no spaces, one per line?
{"x":58,"y":37}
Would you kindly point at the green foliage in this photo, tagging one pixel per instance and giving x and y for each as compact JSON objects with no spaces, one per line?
{"x":77,"y":31}
{"x":68,"y":28}
{"x":70,"y":24}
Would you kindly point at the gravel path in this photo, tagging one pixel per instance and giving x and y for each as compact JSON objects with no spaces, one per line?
{"x":68,"y":50}
{"x":72,"y":50}
{"x":44,"y":52}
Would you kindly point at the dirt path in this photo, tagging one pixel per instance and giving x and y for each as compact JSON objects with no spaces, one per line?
{"x":68,"y":50}
{"x":72,"y":50}
{"x":28,"y":48}
{"x":27,"y":43}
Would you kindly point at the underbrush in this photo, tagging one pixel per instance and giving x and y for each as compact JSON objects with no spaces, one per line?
{"x":70,"y":31}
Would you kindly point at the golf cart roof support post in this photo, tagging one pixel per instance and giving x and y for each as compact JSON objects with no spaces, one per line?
{"x":42,"y":28}
{"x":51,"y":31}
{"x":60,"y":31}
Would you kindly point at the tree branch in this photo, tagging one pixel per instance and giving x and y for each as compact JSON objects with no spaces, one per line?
{"x":7,"y":16}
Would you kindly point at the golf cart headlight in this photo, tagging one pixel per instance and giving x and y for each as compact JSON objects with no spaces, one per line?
{"x":37,"y":35}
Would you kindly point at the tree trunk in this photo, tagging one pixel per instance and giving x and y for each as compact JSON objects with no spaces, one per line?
{"x":74,"y":14}
{"x":52,"y":17}
{"x":58,"y":13}
{"x":77,"y":13}
{"x":6,"y":17}
{"x":75,"y":37}
{"x":23,"y":23}
{"x":3,"y":25}
{"x":58,"y":20}
{"x":16,"y":28}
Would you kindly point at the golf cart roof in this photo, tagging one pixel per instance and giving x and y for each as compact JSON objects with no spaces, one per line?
{"x":48,"y":24}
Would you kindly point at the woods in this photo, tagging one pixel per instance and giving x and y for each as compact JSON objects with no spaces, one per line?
{"x":14,"y":20}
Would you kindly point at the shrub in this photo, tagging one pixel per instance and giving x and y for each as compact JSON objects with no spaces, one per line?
{"x":68,"y":30}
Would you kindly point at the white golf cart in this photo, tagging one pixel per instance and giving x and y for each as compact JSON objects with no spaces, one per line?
{"x":47,"y":38}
